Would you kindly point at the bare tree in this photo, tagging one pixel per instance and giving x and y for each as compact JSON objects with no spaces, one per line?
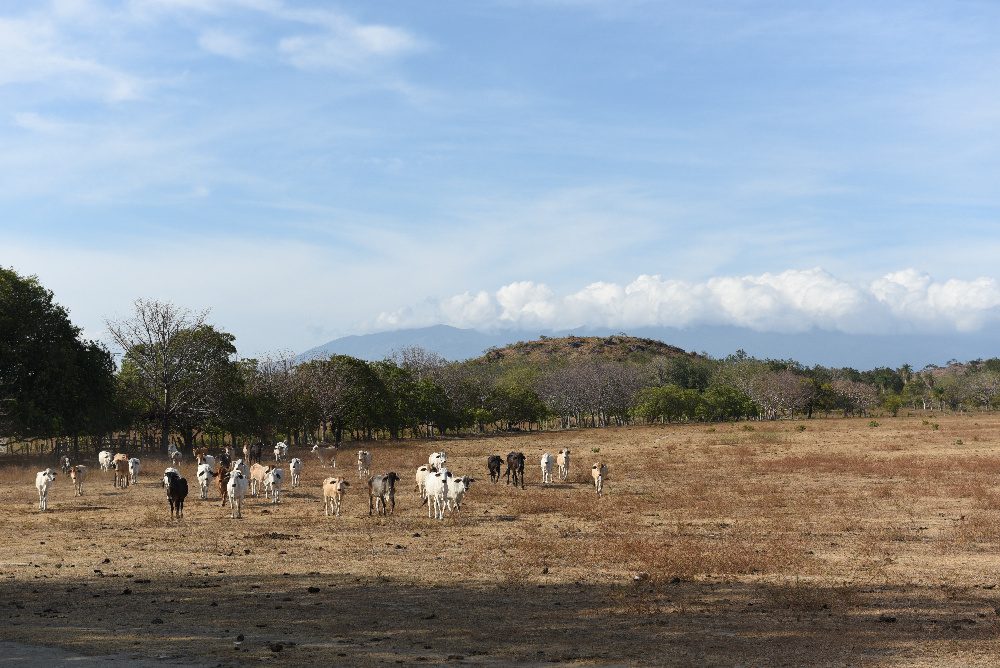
{"x":172,"y":362}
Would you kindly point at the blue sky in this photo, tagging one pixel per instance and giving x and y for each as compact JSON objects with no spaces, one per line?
{"x":313,"y":169}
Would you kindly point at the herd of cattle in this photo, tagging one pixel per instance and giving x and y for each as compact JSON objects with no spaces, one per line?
{"x":439,"y":489}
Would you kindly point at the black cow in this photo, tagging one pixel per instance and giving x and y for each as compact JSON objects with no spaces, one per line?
{"x":177,"y":491}
{"x":494,"y":464}
{"x":515,"y":465}
{"x":380,"y":487}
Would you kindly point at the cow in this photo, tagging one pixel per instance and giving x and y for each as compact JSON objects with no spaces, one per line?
{"x":562,"y":461}
{"x":515,"y":465}
{"x":177,"y":491}
{"x":77,"y":474}
{"x":237,"y":491}
{"x":104,"y":459}
{"x":381,"y":487}
{"x":257,"y":473}
{"x":280,"y":451}
{"x":364,"y":464}
{"x":327,"y":455}
{"x":120,"y":464}
{"x":44,"y":480}
{"x":546,"y":462}
{"x":599,"y":472}
{"x":494,"y":463}
{"x":133,"y":470}
{"x":295,"y":468}
{"x":333,"y":494}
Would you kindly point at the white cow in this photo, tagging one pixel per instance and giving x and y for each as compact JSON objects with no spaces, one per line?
{"x":44,"y":480}
{"x":295,"y":468}
{"x":205,"y":476}
{"x":547,"y":461}
{"x":237,"y":490}
{"x":364,"y":464}
{"x":173,"y":453}
{"x":280,"y":451}
{"x":457,"y":487}
{"x":133,"y":470}
{"x":421,"y":478}
{"x":562,"y":460}
{"x":437,"y":493}
{"x":104,"y":458}
{"x":272,"y":484}
{"x":327,"y":456}
{"x":213,"y":463}
{"x":599,"y":472}
{"x":437,"y":460}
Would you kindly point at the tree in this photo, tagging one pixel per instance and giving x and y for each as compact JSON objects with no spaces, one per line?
{"x":174,"y":364}
{"x":51,"y":381}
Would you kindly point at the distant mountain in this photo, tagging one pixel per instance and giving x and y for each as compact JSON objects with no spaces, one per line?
{"x":615,"y":347}
{"x":836,"y":349}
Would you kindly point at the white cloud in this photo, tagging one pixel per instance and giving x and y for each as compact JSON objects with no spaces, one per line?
{"x":226,"y":44}
{"x":346,"y":45}
{"x":790,"y":301}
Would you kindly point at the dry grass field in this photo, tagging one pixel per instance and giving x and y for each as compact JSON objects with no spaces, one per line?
{"x":825,"y":542}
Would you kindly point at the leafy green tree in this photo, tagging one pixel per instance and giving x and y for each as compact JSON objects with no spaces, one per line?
{"x":51,"y":381}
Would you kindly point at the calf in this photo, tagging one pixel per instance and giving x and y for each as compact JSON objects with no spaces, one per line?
{"x":205,"y":475}
{"x":333,"y":494}
{"x":562,"y":460}
{"x":120,"y":464}
{"x":381,"y":487}
{"x":457,"y":487}
{"x":77,"y":474}
{"x":437,"y":459}
{"x":599,"y":472}
{"x":547,"y":461}
{"x":133,"y":470}
{"x":44,"y":480}
{"x":515,"y":465}
{"x":295,"y":468}
{"x":437,"y":493}
{"x":168,"y":471}
{"x":257,"y":473}
{"x":494,"y":463}
{"x":272,"y":484}
{"x":222,"y":480}
{"x":237,"y":491}
{"x":364,"y":464}
{"x":177,"y":491}
{"x":104,"y":459}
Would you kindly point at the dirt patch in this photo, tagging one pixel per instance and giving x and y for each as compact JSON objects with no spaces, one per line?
{"x":712,"y":546}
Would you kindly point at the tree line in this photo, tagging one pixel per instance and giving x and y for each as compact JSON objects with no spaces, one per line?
{"x":179,"y":377}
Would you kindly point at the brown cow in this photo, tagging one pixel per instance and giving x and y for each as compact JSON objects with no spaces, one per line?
{"x":120,"y":464}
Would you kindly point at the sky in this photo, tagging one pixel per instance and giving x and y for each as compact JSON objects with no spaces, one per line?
{"x":308,"y":170}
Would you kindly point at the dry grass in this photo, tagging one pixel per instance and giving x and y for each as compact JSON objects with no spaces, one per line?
{"x":724,"y":545}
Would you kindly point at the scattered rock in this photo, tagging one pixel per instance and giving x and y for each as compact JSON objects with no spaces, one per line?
{"x":888,"y":619}
{"x":276,"y":647}
{"x":313,"y":590}
{"x":156,"y":620}
{"x":545,"y":571}
{"x":126,"y":591}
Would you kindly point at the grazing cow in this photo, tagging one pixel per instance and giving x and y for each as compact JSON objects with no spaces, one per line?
{"x":204,"y":458}
{"x":515,"y":465}
{"x":174,"y":454}
{"x":237,"y":491}
{"x":222,"y":480}
{"x":547,"y":461}
{"x":494,"y":463}
{"x":280,"y":451}
{"x":77,"y":474}
{"x":272,"y":484}
{"x":437,"y":460}
{"x":364,"y":464}
{"x":295,"y":468}
{"x":333,"y":494}
{"x":205,"y":475}
{"x":421,"y":480}
{"x":562,"y":461}
{"x":379,"y":488}
{"x":65,"y":464}
{"x":599,"y":472}
{"x":44,"y":480}
{"x":457,"y":487}
{"x":177,"y":491}
{"x":327,"y":456}
{"x":104,"y":458}
{"x":120,"y":464}
{"x":437,"y":493}
{"x":133,"y":470}
{"x":257,"y":473}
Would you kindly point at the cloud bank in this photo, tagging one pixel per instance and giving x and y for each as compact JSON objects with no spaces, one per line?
{"x":792,"y":301}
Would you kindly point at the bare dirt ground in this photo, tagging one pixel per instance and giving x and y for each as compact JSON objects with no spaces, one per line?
{"x":822,"y":542}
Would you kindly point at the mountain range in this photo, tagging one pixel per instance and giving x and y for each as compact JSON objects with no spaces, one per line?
{"x":834,"y":349}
